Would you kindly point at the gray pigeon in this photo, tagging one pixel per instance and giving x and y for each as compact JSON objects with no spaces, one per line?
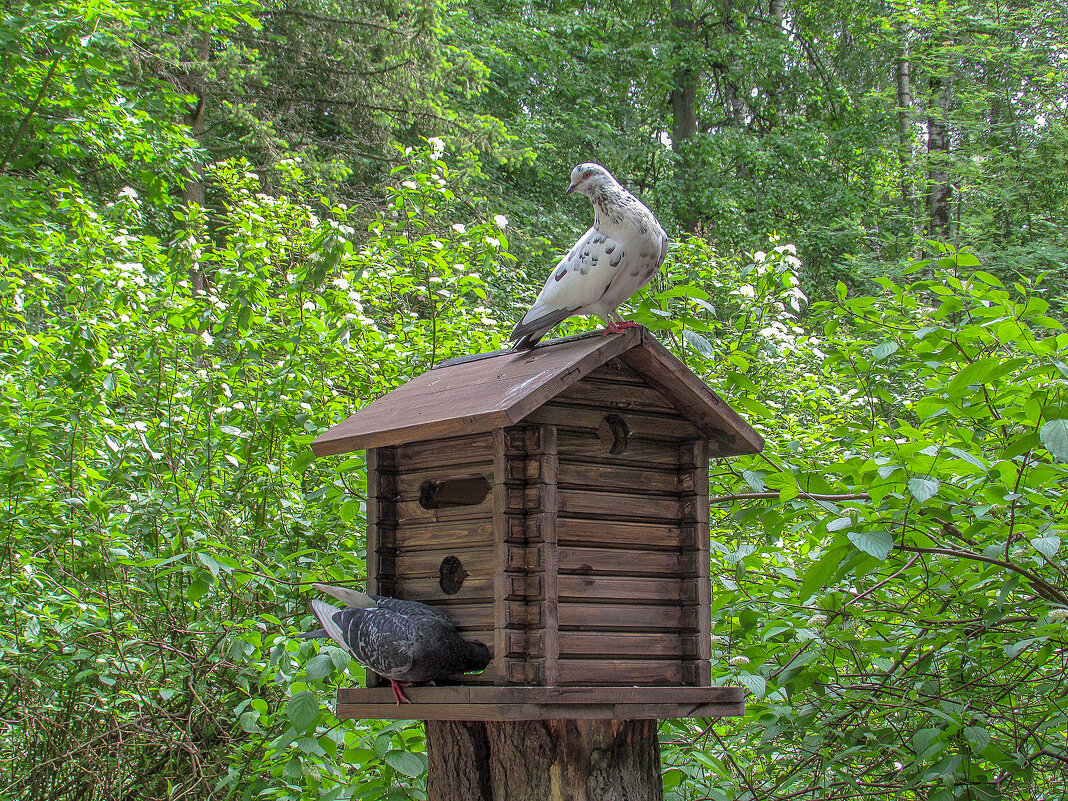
{"x":612,"y":261}
{"x":403,"y":641}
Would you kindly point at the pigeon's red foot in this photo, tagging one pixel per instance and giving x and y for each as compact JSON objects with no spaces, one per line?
{"x":398,"y":690}
{"x":618,"y":328}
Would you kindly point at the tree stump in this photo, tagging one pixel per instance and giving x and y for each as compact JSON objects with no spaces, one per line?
{"x":543,"y":760}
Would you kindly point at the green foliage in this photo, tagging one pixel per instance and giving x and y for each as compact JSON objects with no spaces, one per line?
{"x":163,"y":515}
{"x":889,"y":581}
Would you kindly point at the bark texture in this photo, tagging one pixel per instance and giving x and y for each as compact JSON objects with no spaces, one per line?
{"x":544,"y":760}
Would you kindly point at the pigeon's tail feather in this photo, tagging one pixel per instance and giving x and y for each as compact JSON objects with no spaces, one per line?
{"x":348,"y":596}
{"x":527,"y":333}
{"x":324,"y":612}
{"x":318,"y":634}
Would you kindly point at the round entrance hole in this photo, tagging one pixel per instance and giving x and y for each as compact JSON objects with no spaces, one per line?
{"x":451,"y":575}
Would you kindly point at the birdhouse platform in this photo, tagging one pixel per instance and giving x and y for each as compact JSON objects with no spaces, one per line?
{"x":554,"y":504}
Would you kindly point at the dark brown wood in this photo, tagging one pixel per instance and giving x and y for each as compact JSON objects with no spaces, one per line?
{"x":419,"y":563}
{"x":445,"y":535}
{"x":499,"y":499}
{"x":615,"y":395}
{"x":641,"y":424}
{"x":621,"y":588}
{"x":665,"y":372}
{"x":575,"y":445}
{"x":627,"y":617}
{"x":461,"y":694}
{"x":634,"y":672}
{"x":615,"y":561}
{"x":439,"y":453}
{"x":550,"y":552}
{"x":543,"y":760}
{"x":695,"y":458}
{"x":622,"y":644}
{"x":475,"y":397}
{"x":472,"y":397}
{"x":578,"y":531}
{"x":611,"y":476}
{"x":619,"y":505}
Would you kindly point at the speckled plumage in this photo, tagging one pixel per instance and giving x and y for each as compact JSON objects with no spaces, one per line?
{"x":403,"y":641}
{"x":614,"y":259}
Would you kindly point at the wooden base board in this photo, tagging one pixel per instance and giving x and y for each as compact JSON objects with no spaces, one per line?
{"x":542,"y":703}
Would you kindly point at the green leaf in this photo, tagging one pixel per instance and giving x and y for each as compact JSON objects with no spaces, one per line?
{"x":839,"y":523}
{"x":249,"y":722}
{"x":874,"y":543}
{"x":1054,"y":437}
{"x":405,"y":763}
{"x":197,"y":590}
{"x":978,"y":737}
{"x":303,"y":709}
{"x":319,"y":667}
{"x":884,"y":349}
{"x":1016,"y":648}
{"x":756,"y":684}
{"x":1047,"y":546}
{"x":821,"y":571}
{"x":923,"y":488}
{"x":699,"y":343}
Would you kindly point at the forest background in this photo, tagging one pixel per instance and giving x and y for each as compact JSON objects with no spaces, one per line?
{"x":226,"y":225}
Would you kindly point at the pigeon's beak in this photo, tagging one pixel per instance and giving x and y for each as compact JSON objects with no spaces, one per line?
{"x":571,"y":189}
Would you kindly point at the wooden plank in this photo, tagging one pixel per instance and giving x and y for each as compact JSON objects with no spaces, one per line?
{"x":575,"y":445}
{"x":730,"y":434}
{"x":371,"y":554}
{"x":619,"y":561}
{"x":550,"y":554}
{"x":626,"y":617}
{"x":410,"y":513}
{"x":611,"y":476}
{"x":445,"y":535}
{"x":583,"y":532}
{"x":619,"y":505}
{"x":621,"y":671}
{"x":640,"y":424}
{"x":695,"y":457}
{"x":616,"y":371}
{"x":446,"y":452}
{"x":613,"y":395}
{"x":413,"y":563}
{"x":577,"y":695}
{"x":623,"y":588}
{"x":410,"y":483}
{"x":603,"y":644}
{"x":472,"y":397}
{"x":474,"y":590}
{"x":499,"y":498}
{"x":496,"y":712}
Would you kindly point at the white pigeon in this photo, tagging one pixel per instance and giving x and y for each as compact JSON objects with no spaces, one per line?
{"x":614,"y":259}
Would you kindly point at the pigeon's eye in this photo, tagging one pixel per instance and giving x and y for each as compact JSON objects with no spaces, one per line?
{"x":586,"y":175}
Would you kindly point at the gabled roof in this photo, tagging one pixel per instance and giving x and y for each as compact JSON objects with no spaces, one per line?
{"x":476,"y":394}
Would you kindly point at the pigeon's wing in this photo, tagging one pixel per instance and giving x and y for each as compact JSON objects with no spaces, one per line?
{"x":578,"y":281}
{"x":411,"y":609}
{"x":636,"y":268}
{"x":378,"y":639}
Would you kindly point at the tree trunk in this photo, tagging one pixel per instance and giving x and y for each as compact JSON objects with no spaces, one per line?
{"x":684,"y":106}
{"x":906,"y":159}
{"x":939,"y":189}
{"x":543,"y":760}
{"x":193,"y":177}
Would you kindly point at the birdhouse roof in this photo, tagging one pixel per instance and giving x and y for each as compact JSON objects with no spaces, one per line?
{"x":476,"y":394}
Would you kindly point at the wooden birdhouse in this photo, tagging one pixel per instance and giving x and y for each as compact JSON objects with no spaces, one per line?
{"x":554,"y":503}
